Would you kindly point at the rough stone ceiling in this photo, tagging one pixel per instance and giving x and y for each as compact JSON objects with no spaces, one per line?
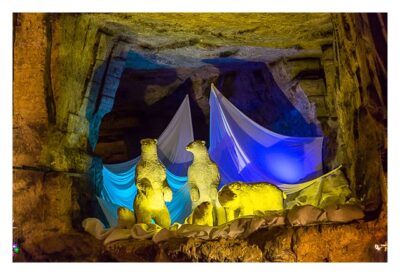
{"x":61,"y":93}
{"x":194,"y":57}
{"x":208,"y":30}
{"x":185,"y":40}
{"x":218,"y":43}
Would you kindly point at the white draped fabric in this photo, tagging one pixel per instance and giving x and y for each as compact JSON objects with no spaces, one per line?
{"x":119,"y":187}
{"x":245,"y":151}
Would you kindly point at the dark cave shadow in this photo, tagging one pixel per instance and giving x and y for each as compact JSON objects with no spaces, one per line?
{"x":87,"y":196}
{"x":261,"y":99}
{"x":258,"y":96}
{"x":154,"y":118}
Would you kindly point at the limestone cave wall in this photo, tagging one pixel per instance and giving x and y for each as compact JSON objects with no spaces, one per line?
{"x":360,"y":57}
{"x":71,"y":72}
{"x":54,"y":59}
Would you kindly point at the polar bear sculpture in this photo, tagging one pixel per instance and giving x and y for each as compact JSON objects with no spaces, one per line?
{"x":203,"y":175}
{"x":153,"y":189}
{"x":242,"y":199}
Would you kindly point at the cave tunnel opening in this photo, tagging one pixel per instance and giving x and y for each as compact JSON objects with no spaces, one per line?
{"x":149,"y":94}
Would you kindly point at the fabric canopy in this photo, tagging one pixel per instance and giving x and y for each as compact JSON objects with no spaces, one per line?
{"x":245,"y":151}
{"x":119,"y":187}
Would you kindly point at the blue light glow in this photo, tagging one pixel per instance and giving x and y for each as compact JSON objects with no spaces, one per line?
{"x":284,"y":167}
{"x":247,"y":152}
{"x":243,"y":150}
{"x":120,"y":189}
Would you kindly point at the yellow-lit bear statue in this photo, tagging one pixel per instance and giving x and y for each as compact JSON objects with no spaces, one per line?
{"x":126,"y":218}
{"x":152,"y":186}
{"x":203,"y":214}
{"x":242,"y":199}
{"x":203,"y":175}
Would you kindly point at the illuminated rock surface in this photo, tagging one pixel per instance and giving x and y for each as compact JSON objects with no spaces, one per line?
{"x":301,"y":74}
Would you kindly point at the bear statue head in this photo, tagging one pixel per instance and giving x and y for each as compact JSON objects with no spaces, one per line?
{"x":148,"y":146}
{"x":196,"y":146}
{"x":204,"y":206}
{"x":203,"y":209}
{"x":148,"y":141}
{"x":226,"y":195}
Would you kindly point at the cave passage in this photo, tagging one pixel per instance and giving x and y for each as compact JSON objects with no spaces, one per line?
{"x":149,"y":94}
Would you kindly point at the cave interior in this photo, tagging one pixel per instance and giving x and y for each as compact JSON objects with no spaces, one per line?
{"x":99,"y":83}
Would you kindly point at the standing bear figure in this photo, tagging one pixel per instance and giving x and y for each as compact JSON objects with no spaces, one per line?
{"x":153,"y":189}
{"x":203,"y":175}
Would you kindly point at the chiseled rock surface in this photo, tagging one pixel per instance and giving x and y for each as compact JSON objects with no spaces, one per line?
{"x":352,"y":242}
{"x":222,"y":250}
{"x":66,"y":247}
{"x":361,"y":104}
{"x":133,"y":251}
{"x":62,"y":90}
{"x":338,"y":243}
{"x":30,"y":117}
{"x":43,"y":204}
{"x":317,"y":242}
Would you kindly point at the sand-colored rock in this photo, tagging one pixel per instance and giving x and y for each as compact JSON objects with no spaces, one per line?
{"x":133,"y":251}
{"x":67,"y":69}
{"x":224,"y":250}
{"x":55,"y":247}
{"x":361,"y":106}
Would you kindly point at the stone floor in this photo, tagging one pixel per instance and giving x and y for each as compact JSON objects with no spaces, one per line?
{"x":352,"y":242}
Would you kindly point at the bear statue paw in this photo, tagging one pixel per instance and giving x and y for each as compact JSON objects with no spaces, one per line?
{"x":126,"y":218}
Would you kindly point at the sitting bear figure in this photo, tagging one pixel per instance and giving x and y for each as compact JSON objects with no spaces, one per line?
{"x":126,"y":218}
{"x":203,"y":175}
{"x":153,"y":189}
{"x":150,"y":205}
{"x":202,"y":215}
{"x":242,"y":199}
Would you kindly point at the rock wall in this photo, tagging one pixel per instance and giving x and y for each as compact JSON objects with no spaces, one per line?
{"x":343,"y":87}
{"x":55,"y":57}
{"x":30,"y":116}
{"x":35,"y":212}
{"x":67,"y":69}
{"x":360,"y":102}
{"x":355,"y":242}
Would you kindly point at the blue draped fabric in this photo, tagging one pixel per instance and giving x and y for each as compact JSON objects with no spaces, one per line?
{"x":245,"y":151}
{"x":110,"y":211}
{"x":119,"y":188}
